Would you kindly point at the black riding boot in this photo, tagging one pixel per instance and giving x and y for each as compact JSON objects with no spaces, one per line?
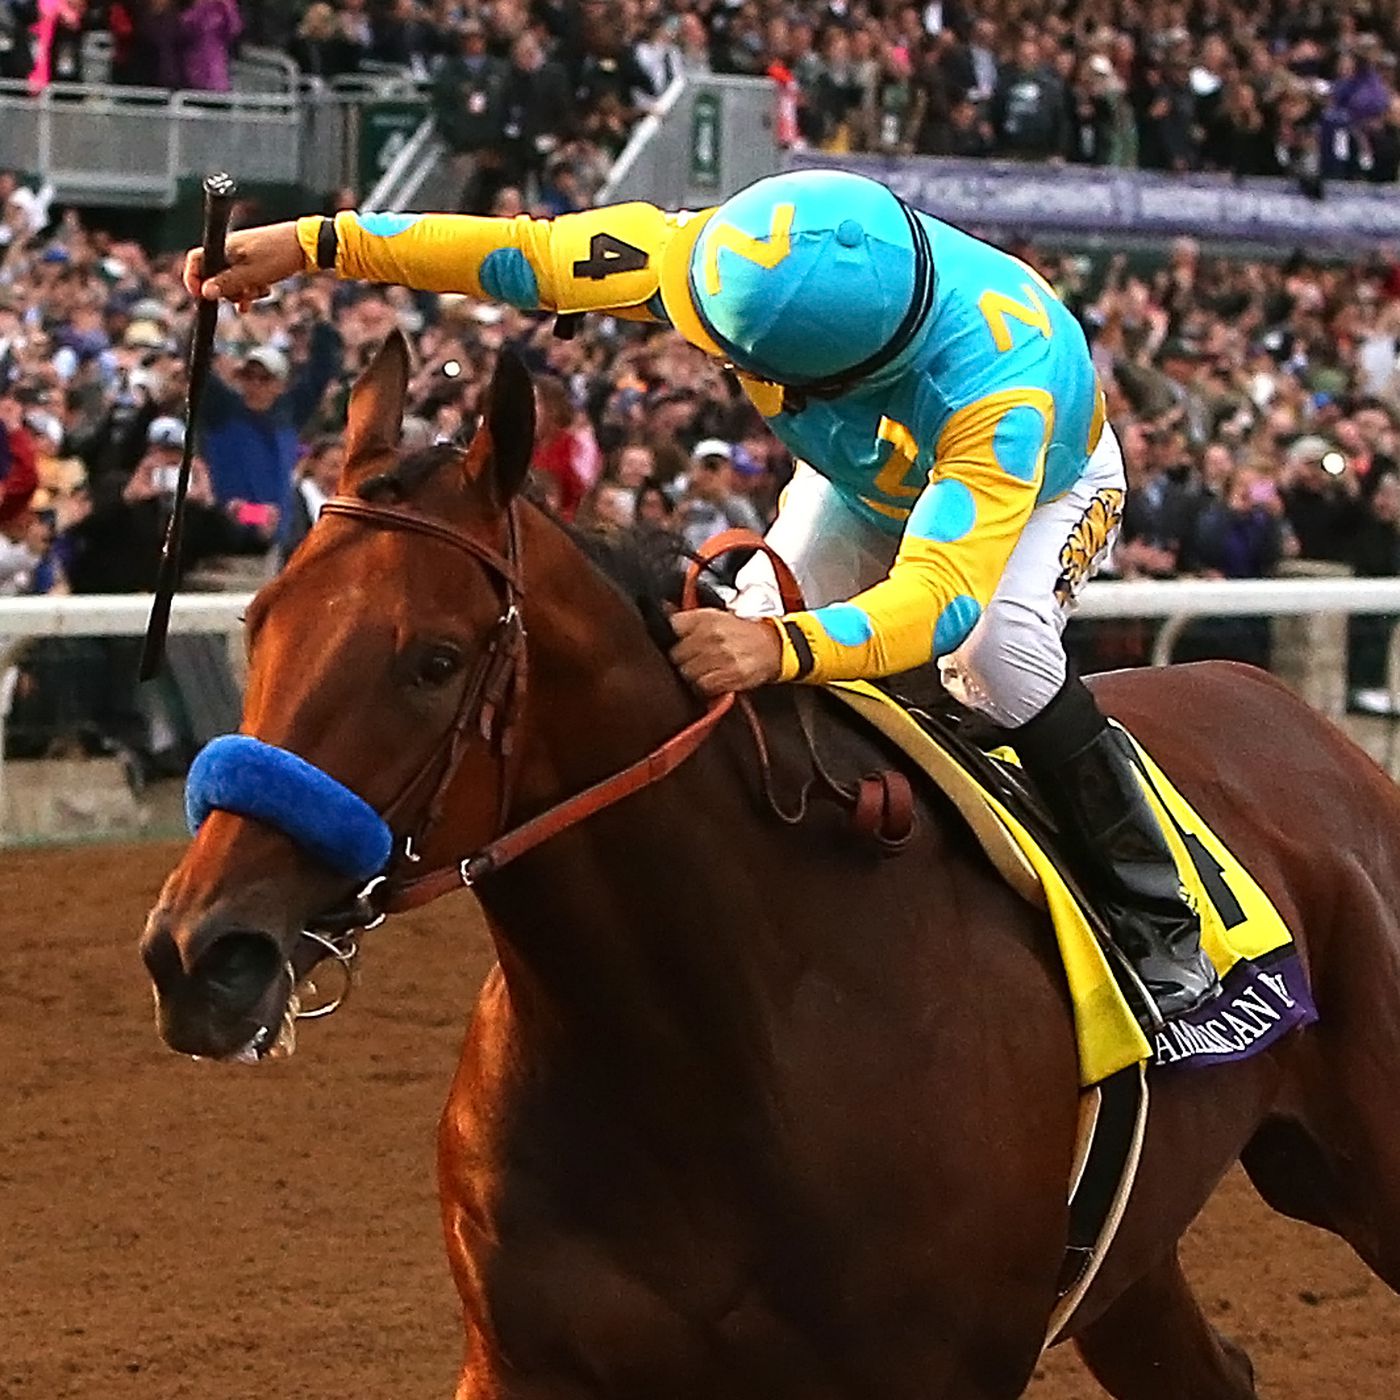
{"x":1085,"y":771}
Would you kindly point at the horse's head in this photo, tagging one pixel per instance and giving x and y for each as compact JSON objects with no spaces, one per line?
{"x":382,"y":672}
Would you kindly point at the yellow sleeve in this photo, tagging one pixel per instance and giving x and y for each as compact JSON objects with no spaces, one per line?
{"x":989,"y":463}
{"x":603,"y":259}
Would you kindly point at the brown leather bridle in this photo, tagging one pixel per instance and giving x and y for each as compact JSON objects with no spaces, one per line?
{"x":492,"y":701}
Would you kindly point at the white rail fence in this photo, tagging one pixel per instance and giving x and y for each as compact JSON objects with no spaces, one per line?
{"x":1309,"y":629}
{"x":125,"y":614}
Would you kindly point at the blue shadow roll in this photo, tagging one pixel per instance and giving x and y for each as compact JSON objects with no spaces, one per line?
{"x":237,"y":773}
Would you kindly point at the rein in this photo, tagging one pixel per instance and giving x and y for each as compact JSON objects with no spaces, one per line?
{"x":492,"y":701}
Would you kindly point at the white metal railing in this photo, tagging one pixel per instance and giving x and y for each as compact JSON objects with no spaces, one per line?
{"x":125,"y":614}
{"x":1177,"y":600}
{"x":643,"y":134}
{"x":399,"y":185}
{"x":115,"y":144}
{"x":117,"y":615}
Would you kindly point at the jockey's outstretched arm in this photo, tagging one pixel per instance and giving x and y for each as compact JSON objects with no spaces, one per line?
{"x":605,"y":259}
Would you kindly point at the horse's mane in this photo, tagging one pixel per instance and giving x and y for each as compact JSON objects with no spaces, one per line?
{"x":647,"y":566}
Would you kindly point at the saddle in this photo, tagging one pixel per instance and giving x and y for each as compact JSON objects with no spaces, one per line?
{"x":1264,"y":988}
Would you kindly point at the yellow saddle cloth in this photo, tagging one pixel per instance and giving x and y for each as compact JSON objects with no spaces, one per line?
{"x":1264,"y":989}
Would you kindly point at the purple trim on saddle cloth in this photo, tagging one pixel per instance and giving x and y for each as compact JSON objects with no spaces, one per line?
{"x":1259,"y":1003}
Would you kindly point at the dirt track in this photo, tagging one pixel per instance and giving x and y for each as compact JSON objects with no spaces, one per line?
{"x":173,"y":1229}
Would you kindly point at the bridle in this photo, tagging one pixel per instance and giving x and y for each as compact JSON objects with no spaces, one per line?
{"x":493,"y":699}
{"x":492,"y":702}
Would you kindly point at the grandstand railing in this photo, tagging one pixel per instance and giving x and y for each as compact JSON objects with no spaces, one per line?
{"x":710,"y":138}
{"x":100,"y":143}
{"x":418,"y":165}
{"x":641,"y":145}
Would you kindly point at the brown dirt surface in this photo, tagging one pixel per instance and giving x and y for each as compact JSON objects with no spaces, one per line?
{"x":174,"y":1229}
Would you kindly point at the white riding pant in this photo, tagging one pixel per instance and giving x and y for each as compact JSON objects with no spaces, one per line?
{"x":1012,"y":663}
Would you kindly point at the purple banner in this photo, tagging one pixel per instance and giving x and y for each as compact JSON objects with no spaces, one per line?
{"x":1256,"y":1006}
{"x":1026,"y":198}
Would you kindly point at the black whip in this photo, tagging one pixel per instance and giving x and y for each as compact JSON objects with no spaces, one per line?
{"x":219,"y":194}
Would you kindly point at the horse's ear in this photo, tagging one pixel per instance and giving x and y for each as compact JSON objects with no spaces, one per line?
{"x":510,"y":421}
{"x":375,"y":415}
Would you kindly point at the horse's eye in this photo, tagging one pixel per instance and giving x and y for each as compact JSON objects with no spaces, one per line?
{"x":439,"y":665}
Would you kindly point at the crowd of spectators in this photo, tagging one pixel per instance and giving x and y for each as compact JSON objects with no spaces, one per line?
{"x":1258,"y":404}
{"x":1289,"y":87}
{"x":184,"y":44}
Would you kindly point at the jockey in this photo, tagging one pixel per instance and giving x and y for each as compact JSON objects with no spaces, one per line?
{"x":957,"y":482}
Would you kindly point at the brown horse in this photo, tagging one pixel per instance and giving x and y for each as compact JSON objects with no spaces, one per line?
{"x":746,"y":1110}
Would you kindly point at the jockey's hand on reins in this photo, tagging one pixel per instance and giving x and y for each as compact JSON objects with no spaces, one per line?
{"x":719,"y":653}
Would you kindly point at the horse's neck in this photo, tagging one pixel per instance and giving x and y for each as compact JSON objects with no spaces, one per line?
{"x":629,"y":927}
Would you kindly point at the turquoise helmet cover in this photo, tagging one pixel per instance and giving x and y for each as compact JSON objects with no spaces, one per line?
{"x":805,"y":277}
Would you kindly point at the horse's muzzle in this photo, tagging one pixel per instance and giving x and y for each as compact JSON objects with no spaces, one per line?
{"x":225,"y":997}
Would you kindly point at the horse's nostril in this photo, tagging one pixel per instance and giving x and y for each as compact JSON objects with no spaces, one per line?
{"x":237,"y":969}
{"x":162,"y":957}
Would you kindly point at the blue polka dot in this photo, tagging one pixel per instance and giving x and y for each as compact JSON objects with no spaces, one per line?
{"x":386,"y":225}
{"x":845,"y":624}
{"x":506,"y":276}
{"x":1019,"y":441}
{"x":954,"y":623}
{"x":944,"y":513}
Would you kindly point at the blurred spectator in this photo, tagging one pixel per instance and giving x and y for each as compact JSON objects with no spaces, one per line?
{"x":1030,"y":112}
{"x":252,"y":427}
{"x":19,"y":479}
{"x":566,"y":453}
{"x":1097,"y":111}
{"x":1160,"y":507}
{"x":607,"y":506}
{"x":154,"y":53}
{"x":356,"y":27}
{"x":969,"y":133}
{"x":536,"y":110}
{"x":711,"y":504}
{"x":316,"y":482}
{"x":655,"y":508}
{"x":693,"y":43}
{"x":468,"y":99}
{"x":658,"y":54}
{"x":208,"y":31}
{"x":16,"y":52}
{"x":116,"y":547}
{"x":405,"y":36}
{"x":1239,"y":534}
{"x":57,"y":48}
{"x":23,"y":214}
{"x":1322,"y":498}
{"x":893,"y":113}
{"x":321,"y":47}
{"x":1374,"y":553}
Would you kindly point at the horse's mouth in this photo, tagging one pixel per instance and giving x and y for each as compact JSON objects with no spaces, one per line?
{"x":193,"y":1025}
{"x":275,"y":1041}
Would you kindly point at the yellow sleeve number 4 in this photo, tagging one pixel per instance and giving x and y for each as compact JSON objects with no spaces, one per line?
{"x":998,"y":308}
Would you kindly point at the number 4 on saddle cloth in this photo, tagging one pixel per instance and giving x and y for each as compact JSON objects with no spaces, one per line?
{"x":1264,"y":989}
